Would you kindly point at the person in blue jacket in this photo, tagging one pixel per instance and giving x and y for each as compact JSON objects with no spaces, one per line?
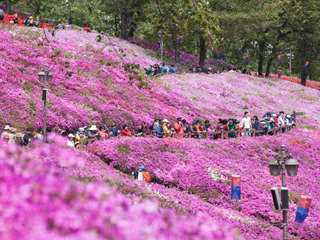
{"x":159,"y":130}
{"x":113,"y":130}
{"x":172,"y":70}
{"x":164,"y":68}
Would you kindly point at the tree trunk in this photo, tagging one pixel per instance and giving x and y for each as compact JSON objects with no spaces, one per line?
{"x":124,"y":23}
{"x":8,"y":6}
{"x":268,"y":66}
{"x":132,"y":30}
{"x":276,"y":68}
{"x":260,"y":66}
{"x":176,"y":53}
{"x":304,"y":78}
{"x":203,"y":51}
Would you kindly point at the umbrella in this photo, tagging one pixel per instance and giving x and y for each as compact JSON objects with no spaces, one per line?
{"x":265,"y":115}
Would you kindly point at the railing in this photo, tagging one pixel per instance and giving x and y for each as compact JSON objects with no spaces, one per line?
{"x":224,"y":134}
{"x":214,"y":135}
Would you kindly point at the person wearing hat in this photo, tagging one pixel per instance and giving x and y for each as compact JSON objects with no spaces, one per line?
{"x":80,"y":138}
{"x":289,"y":121}
{"x":165,"y":128}
{"x":70,"y":141}
{"x":113,"y":130}
{"x":198,"y":69}
{"x":12,"y":135}
{"x":178,"y":128}
{"x":143,"y":175}
{"x":160,"y":131}
{"x":92,"y":134}
{"x":6,"y":131}
{"x":18,"y":139}
{"x":275,"y":119}
{"x":125,"y":131}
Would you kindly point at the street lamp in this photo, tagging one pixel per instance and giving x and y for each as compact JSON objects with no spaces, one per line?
{"x":161,"y":35}
{"x":282,"y":163}
{"x":292,"y":166}
{"x":45,"y":76}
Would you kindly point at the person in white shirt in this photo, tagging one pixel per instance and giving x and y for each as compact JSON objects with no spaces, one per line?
{"x":70,"y":141}
{"x":6,"y":131}
{"x":289,"y":121}
{"x":282,"y":121}
{"x":246,"y":124}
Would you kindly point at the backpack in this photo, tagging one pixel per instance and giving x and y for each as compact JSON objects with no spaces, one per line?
{"x":146,"y":177}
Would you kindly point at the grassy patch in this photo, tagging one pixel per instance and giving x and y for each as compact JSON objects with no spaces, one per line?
{"x":124,"y":149}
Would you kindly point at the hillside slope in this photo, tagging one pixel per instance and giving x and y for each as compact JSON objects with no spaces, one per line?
{"x":92,"y":84}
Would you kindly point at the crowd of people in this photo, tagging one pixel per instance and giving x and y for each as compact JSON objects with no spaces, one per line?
{"x":226,"y":128}
{"x":157,"y":70}
{"x":162,"y":128}
{"x":29,"y":21}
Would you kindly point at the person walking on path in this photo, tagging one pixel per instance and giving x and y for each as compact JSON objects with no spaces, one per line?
{"x":178,"y":127}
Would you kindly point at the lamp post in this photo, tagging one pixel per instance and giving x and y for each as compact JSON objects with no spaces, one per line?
{"x":290,"y":57}
{"x":279,"y":165}
{"x":45,"y":76}
{"x":161,"y":35}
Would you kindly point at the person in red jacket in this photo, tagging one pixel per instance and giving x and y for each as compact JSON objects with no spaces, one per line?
{"x":103,"y":132}
{"x":125,"y":131}
{"x":11,"y":19}
{"x":143,"y":175}
{"x":178,"y":127}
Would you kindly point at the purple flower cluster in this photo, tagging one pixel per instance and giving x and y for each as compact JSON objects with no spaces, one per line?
{"x":39,"y":201}
{"x":90,"y":84}
{"x":204,"y":168}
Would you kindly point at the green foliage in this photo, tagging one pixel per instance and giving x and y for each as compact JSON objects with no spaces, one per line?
{"x":124,"y":149}
{"x":136,"y":74}
{"x":262,"y":29}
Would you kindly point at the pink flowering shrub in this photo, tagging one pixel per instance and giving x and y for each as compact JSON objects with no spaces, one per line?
{"x":38,"y":201}
{"x":231,"y":94}
{"x":59,"y":193}
{"x":204,"y":168}
{"x":91,"y":85}
{"x":186,"y":61}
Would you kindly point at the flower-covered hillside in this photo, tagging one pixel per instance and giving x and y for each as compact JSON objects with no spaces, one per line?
{"x":204,"y":169}
{"x":39,"y":201}
{"x":96,"y":81}
{"x":186,"y":61}
{"x":93,"y":81}
{"x":230,"y":94}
